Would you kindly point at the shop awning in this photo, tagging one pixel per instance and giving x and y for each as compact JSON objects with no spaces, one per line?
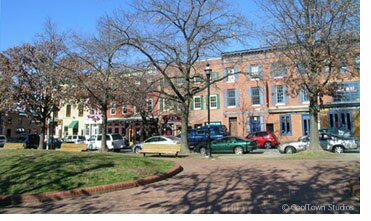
{"x":73,"y":124}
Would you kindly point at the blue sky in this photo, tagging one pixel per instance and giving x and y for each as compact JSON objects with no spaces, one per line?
{"x":21,"y":20}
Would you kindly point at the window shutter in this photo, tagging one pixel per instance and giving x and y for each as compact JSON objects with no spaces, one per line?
{"x":202,"y":102}
{"x":237,"y":94}
{"x":274,"y":98}
{"x":262,"y":123}
{"x":207,"y":102}
{"x":217,"y":101}
{"x":272,"y":70}
{"x":248,"y":125}
{"x":235,"y":74}
{"x":191,"y":104}
{"x":248,"y":72}
{"x":261,"y":71}
{"x":286,"y":97}
{"x":301,"y":96}
{"x":225,"y":98}
{"x":161,"y":105}
{"x":290,"y":133}
{"x":248,"y":92}
{"x":261,"y":95}
{"x":225,"y":75}
{"x":216,"y":76}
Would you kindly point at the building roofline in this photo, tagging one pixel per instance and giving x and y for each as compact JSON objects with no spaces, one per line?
{"x":247,"y":51}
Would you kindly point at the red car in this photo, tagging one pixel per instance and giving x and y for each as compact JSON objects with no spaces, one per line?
{"x":264,"y":139}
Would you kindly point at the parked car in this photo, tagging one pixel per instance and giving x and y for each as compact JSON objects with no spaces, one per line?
{"x":342,"y":131}
{"x":54,"y":143}
{"x":115,"y":142}
{"x":327,"y":142}
{"x":75,"y":139}
{"x":228,"y":144}
{"x":2,"y":140}
{"x":31,"y":141}
{"x":264,"y":139}
{"x":165,"y":140}
{"x":200,"y":135}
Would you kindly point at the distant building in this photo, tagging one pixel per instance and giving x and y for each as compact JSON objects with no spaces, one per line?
{"x":14,"y":124}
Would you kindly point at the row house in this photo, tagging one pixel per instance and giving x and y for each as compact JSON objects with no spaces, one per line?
{"x":254,"y":98}
{"x":16,"y":123}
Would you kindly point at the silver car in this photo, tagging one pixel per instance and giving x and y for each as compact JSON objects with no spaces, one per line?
{"x":327,"y":142}
{"x":156,"y":140}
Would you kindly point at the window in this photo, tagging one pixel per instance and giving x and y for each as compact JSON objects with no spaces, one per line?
{"x":213,"y":101}
{"x":214,"y":76}
{"x":255,"y":96}
{"x":166,"y":104}
{"x":357,"y":63}
{"x":230,"y":73}
{"x":197,"y":79}
{"x":113,"y":108}
{"x":285,"y":121}
{"x":343,"y":67}
{"x":347,"y":92}
{"x":68,"y":110}
{"x":231,"y":97}
{"x":124,"y":109}
{"x":303,"y":96}
{"x":149,"y":105}
{"x":197,"y":103}
{"x":255,"y":72}
{"x":81,"y":110}
{"x":278,"y":70}
{"x":300,"y":68}
{"x":279,"y":94}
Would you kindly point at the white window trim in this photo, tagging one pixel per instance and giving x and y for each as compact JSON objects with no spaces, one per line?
{"x":255,"y":105}
{"x":194,"y":103}
{"x":216,"y":102}
{"x":231,"y":74}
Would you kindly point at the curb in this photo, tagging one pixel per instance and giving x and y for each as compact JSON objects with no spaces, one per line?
{"x":86,"y":191}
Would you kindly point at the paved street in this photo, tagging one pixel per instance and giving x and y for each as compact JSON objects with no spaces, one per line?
{"x":227,"y":185}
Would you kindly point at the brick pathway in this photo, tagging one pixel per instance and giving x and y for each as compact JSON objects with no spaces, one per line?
{"x":227,"y":186}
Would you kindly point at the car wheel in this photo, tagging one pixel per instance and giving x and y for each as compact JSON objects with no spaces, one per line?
{"x":238,"y":150}
{"x":338,"y":149}
{"x":268,"y":145}
{"x":137,"y":150}
{"x":203,"y":151}
{"x":290,"y":150}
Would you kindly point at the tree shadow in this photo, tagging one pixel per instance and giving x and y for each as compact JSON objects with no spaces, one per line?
{"x":255,"y":190}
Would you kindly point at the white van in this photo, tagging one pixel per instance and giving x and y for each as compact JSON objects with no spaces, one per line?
{"x":114,"y":142}
{"x":75,"y":139}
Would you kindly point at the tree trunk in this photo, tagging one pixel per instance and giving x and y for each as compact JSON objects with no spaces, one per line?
{"x":103,"y":146}
{"x":184,"y":135}
{"x":314,"y":135}
{"x":42,"y":135}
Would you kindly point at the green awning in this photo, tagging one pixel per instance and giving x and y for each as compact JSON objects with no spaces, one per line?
{"x":73,"y":124}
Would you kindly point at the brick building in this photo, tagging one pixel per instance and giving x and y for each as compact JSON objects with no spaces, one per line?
{"x":256,"y":98}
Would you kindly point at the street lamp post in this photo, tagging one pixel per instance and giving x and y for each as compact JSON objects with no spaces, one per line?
{"x":208,"y":73}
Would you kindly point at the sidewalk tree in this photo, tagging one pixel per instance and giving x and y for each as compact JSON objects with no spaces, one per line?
{"x":95,"y":66}
{"x":319,"y":38}
{"x":173,"y":36}
{"x":30,"y":79}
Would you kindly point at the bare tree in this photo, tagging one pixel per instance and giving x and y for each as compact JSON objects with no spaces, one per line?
{"x":316,"y":37}
{"x":31,"y":80}
{"x":95,"y":65}
{"x":173,"y":36}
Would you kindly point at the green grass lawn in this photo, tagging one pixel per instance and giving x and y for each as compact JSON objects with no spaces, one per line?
{"x":37,"y":171}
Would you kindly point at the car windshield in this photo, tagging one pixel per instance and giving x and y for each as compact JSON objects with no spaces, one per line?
{"x":173,"y":138}
{"x":117,"y":137}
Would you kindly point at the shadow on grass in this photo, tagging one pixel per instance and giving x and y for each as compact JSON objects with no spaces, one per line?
{"x":33,"y":174}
